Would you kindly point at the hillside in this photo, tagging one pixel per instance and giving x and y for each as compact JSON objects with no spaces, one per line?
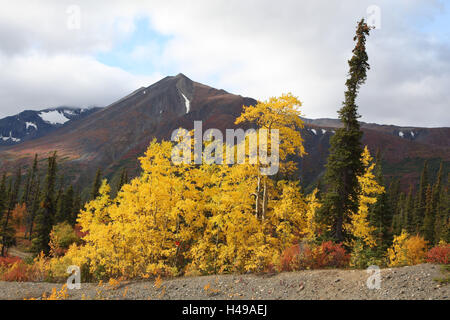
{"x":115,"y":136}
{"x":31,"y":124}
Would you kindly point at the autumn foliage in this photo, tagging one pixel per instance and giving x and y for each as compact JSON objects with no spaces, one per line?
{"x":198,"y":219}
{"x":439,"y":254}
{"x":16,"y":269}
{"x":407,"y":250}
{"x":308,"y":256}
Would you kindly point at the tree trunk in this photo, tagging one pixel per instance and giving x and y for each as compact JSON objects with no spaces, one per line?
{"x":264,"y":202}
{"x":258,"y":190}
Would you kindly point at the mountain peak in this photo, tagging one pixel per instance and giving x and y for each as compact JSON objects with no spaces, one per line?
{"x":180,"y":75}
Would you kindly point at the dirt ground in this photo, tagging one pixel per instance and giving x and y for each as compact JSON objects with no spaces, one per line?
{"x":414,"y":282}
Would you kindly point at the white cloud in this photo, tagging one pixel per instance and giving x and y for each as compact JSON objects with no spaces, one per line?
{"x":40,"y":81}
{"x":254,"y":48}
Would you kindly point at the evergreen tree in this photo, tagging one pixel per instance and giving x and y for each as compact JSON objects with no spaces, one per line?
{"x":65,"y":206}
{"x":76,"y":207}
{"x":7,"y":232}
{"x":30,"y":193}
{"x":59,"y":215}
{"x":26,"y":188}
{"x":437,"y":204}
{"x":409,"y":212}
{"x":3,"y":195}
{"x":123,"y":179}
{"x":46,"y":213}
{"x":421,"y":198}
{"x":394,"y":193}
{"x":445,"y":215}
{"x":96,"y":185}
{"x":34,"y":207}
{"x":59,"y":199}
{"x":400,"y":214}
{"x":428,"y":222}
{"x":344,"y":163}
{"x":381,"y":213}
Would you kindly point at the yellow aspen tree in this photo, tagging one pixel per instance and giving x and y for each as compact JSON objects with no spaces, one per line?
{"x":279,"y":113}
{"x":289,"y":216}
{"x":360,"y":227}
{"x":198,"y":218}
{"x":312,"y":226}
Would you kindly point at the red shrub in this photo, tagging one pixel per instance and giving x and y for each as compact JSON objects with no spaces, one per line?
{"x":14,"y":269}
{"x":440,"y":255}
{"x":8,"y":261}
{"x":304,"y":256}
{"x":19,"y":271}
{"x":288,"y":258}
{"x":331,"y":255}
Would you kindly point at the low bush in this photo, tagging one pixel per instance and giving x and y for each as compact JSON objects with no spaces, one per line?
{"x":362,"y":256}
{"x":439,"y":254}
{"x":308,"y":256}
{"x":407,"y":250}
{"x":61,"y":237}
{"x":16,"y":269}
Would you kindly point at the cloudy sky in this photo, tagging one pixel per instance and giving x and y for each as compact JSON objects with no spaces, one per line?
{"x":83,"y":53}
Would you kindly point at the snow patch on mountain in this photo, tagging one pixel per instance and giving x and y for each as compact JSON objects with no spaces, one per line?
{"x":10,"y":138}
{"x":53,"y":117}
{"x":30,"y":124}
{"x":314,"y":131}
{"x":69,"y":112}
{"x":187,"y":102}
{"x":401,"y":134}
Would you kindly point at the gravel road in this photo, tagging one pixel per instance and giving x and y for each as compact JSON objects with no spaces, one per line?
{"x":414,"y":282}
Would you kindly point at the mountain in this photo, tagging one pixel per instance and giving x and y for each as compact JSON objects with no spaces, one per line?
{"x":115,"y":136}
{"x":403,"y":149}
{"x":31,"y":124}
{"x":434,"y":136}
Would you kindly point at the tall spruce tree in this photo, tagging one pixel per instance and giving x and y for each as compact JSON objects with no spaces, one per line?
{"x":344,"y":163}
{"x":46,"y":213}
